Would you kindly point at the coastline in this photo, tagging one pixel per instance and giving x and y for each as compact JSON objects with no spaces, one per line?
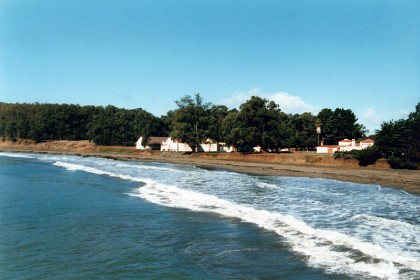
{"x":292,"y":165}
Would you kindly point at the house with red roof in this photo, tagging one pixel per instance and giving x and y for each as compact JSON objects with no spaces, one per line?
{"x":345,"y":145}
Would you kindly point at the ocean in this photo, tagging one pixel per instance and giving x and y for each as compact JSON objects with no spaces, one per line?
{"x":69,"y":217}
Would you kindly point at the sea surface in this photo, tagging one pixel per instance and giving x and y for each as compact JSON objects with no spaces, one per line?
{"x":68,"y":217}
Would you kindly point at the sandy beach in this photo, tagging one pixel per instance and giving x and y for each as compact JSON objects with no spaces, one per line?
{"x":294,"y":164}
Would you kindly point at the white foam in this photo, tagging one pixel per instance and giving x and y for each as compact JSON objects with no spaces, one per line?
{"x":74,"y":167}
{"x":317,"y":244}
{"x":147,"y":167}
{"x":15,"y":155}
{"x":384,"y":221}
{"x":406,"y":193}
{"x":397,"y":236}
{"x":265,"y":185}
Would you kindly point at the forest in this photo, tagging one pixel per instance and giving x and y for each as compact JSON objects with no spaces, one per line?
{"x":103,"y":125}
{"x":258,"y":121}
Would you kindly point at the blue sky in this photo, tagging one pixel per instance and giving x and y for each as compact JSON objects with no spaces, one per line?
{"x":306,"y":55}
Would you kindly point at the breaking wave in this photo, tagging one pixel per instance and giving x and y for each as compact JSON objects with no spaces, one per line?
{"x":15,"y":155}
{"x":331,"y":250}
{"x":307,"y":217}
{"x":73,"y":167}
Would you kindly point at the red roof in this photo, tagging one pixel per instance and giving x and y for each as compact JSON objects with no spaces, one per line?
{"x":368,"y":141}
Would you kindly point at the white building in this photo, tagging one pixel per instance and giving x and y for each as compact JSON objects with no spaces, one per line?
{"x":174,"y":146}
{"x":169,"y":144}
{"x":345,"y":145}
{"x":227,"y":149}
{"x":366,"y":143}
{"x":327,"y":149}
{"x":139,"y":145}
{"x":153,"y":143}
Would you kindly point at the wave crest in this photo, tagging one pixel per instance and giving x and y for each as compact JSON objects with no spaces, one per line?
{"x":324,"y":248}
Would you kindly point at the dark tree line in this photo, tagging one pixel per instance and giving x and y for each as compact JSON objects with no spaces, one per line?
{"x":339,"y":124}
{"x":44,"y":121}
{"x":114,"y":126}
{"x":399,"y":141}
{"x":258,"y":122}
{"x":103,"y":125}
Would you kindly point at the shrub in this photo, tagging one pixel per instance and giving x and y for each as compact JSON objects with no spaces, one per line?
{"x":400,"y":163}
{"x":346,"y":155}
{"x":368,"y":156}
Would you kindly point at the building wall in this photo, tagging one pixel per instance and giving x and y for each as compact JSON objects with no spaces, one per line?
{"x":226,"y":149}
{"x":365,"y":145}
{"x":322,"y":149}
{"x":139,"y":146}
{"x":208,"y":148}
{"x":170,"y":145}
{"x":345,"y":146}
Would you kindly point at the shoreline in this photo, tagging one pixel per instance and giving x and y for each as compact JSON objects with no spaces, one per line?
{"x":263,"y":165}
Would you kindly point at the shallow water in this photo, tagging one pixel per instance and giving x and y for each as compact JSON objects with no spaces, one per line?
{"x":72,"y":217}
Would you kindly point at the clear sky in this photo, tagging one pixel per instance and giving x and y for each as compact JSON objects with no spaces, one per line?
{"x":306,"y":55}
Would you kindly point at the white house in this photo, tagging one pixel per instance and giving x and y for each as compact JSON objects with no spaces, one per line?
{"x":257,"y":149}
{"x":139,"y":145}
{"x":174,"y":145}
{"x":153,"y":143}
{"x":222,"y":147}
{"x":169,"y":144}
{"x":327,"y":149}
{"x":345,"y":145}
{"x":366,"y":143}
{"x":208,"y":146}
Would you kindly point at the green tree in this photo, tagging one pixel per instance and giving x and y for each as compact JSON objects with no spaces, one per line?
{"x":104,"y":126}
{"x":339,"y":124}
{"x":368,"y":156}
{"x":256,"y":123}
{"x":230,"y":127}
{"x":325,"y":117}
{"x":399,"y":141}
{"x":216,"y":115}
{"x":190,"y":121}
{"x":304,"y":136}
{"x":414,"y":135}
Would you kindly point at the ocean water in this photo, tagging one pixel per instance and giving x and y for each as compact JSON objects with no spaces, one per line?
{"x":68,"y":217}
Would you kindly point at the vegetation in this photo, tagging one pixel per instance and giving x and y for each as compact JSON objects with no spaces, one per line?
{"x":365,"y":157}
{"x":346,"y":155}
{"x":368,"y":156}
{"x":190,"y":121}
{"x":396,"y":141}
{"x":103,"y":125}
{"x":258,"y":122}
{"x":399,"y":141}
{"x":113,"y":126}
{"x":339,"y":124}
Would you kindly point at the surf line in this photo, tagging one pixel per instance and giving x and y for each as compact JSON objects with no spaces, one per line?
{"x":317,"y":244}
